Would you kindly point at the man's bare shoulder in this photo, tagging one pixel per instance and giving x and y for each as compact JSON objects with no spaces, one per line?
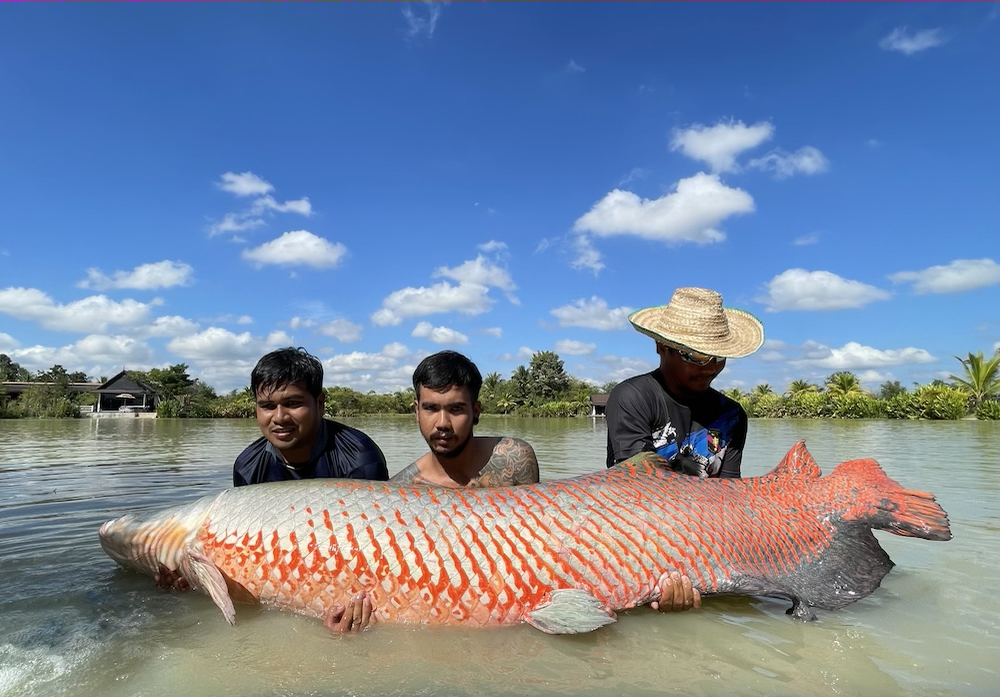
{"x":408,"y":475}
{"x":512,"y":462}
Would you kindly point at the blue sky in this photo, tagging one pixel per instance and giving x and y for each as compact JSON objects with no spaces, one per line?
{"x":201,"y":183}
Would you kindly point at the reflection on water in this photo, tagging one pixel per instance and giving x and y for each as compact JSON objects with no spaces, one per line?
{"x":73,"y":623}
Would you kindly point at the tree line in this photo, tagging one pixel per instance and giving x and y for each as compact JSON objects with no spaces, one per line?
{"x":542,"y":388}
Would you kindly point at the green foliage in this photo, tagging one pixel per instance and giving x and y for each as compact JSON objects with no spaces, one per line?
{"x":855,"y":405}
{"x":168,"y":409}
{"x":981,"y":377}
{"x":764,"y":406}
{"x":38,"y":401}
{"x":809,"y":405}
{"x":797,"y":387}
{"x":843,"y":382}
{"x":888,"y":390}
{"x":548,"y":378}
{"x":942,"y":402}
{"x":988,"y":410}
{"x":11,"y":371}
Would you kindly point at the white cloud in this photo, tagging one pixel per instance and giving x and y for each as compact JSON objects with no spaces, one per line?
{"x":958,"y":276}
{"x":902,"y":40}
{"x":495,"y":332}
{"x":805,"y":160}
{"x":593,"y":314}
{"x":216,"y":344}
{"x":618,"y":368}
{"x":439,"y":335}
{"x":395,"y":350}
{"x":245,"y":184}
{"x":574,"y":67}
{"x":267,"y":203}
{"x":298,"y":247}
{"x":424,"y":20}
{"x":7,"y":343}
{"x":996,"y":347}
{"x":798,"y":289}
{"x":688,"y":214}
{"x":587,"y":256}
{"x":342,"y":330}
{"x":162,"y":274}
{"x":113,"y":352}
{"x":873,"y":378}
{"x":493,"y":246}
{"x":300,"y":322}
{"x":774,"y":344}
{"x":467,"y":298}
{"x":92,"y":314}
{"x":234,"y":222}
{"x":854,"y":356}
{"x":571,"y":347}
{"x":719,"y":145}
{"x":168,"y":325}
{"x":634,"y":174}
{"x":803,"y":240}
{"x":479,"y":271}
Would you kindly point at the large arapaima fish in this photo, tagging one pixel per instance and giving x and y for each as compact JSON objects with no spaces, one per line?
{"x":562,"y":555}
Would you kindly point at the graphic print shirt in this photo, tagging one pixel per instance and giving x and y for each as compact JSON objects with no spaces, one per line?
{"x":705,"y":437}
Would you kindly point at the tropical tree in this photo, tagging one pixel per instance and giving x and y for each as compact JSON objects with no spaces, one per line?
{"x":490,"y":385}
{"x":796,"y":387}
{"x":762,"y":389}
{"x":734,"y":393}
{"x":548,"y":377}
{"x":520,"y":386}
{"x":842,"y":383}
{"x":888,"y":390}
{"x":11,"y":370}
{"x":981,"y":379}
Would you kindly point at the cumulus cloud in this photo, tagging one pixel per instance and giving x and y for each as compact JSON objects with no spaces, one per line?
{"x":854,"y":356}
{"x":571,"y":347}
{"x":92,"y":314}
{"x":690,"y":213}
{"x":244,"y":184}
{"x":168,"y":325}
{"x":804,"y":240}
{"x":957,"y":277}
{"x":719,"y":145}
{"x":466,"y":298}
{"x":593,"y":314}
{"x":493,"y":247}
{"x":217,"y":344}
{"x":902,"y":40}
{"x":297,"y":248}
{"x":234,"y":222}
{"x":267,"y":203}
{"x":342,"y":330}
{"x":495,"y":332}
{"x":109,"y":352}
{"x":805,"y":160}
{"x":162,"y":274}
{"x":471,"y":296}
{"x":8,"y":343}
{"x":586,"y":256}
{"x":395,"y":350}
{"x":439,"y":335}
{"x":798,"y":289}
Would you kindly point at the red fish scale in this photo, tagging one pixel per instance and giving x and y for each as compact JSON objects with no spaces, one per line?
{"x":489,"y":556}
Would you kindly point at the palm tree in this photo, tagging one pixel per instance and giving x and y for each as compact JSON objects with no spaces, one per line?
{"x":734,"y":393}
{"x":982,"y":377}
{"x":490,"y":385}
{"x":842,"y":383}
{"x":796,"y":387}
{"x":762,"y":389}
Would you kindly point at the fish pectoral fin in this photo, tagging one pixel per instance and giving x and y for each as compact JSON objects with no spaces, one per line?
{"x":570,"y":611}
{"x":211,"y":579}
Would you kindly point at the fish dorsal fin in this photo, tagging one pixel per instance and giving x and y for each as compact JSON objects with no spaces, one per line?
{"x":797,"y":463}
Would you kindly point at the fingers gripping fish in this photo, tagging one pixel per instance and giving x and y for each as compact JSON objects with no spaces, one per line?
{"x":562,"y":556}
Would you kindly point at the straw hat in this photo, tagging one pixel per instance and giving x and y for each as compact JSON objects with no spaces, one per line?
{"x":695,"y":319}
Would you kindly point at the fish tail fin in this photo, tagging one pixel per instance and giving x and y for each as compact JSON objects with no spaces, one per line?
{"x":872,"y":497}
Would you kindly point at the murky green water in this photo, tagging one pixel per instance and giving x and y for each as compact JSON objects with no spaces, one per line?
{"x":72,"y":623}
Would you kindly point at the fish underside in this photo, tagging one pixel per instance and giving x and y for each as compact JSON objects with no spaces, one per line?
{"x":562,"y":555}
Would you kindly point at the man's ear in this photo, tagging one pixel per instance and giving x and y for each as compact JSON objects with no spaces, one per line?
{"x":476,"y":408}
{"x":321,"y":401}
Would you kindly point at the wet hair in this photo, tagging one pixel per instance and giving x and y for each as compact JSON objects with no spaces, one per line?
{"x":284,"y":367}
{"x":447,"y":369}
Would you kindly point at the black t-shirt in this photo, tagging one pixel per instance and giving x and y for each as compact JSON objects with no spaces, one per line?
{"x":705,"y":436}
{"x":341,"y":452}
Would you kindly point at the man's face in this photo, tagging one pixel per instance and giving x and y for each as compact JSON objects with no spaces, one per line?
{"x":685,"y":376}
{"x":446,"y":419}
{"x":289,"y":418}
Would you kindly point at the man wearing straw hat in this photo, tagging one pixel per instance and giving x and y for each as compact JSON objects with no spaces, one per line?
{"x":674,"y":411}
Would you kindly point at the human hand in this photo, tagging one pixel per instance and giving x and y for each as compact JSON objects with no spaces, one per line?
{"x":676,"y":594}
{"x":170,"y":580}
{"x":356,"y":616}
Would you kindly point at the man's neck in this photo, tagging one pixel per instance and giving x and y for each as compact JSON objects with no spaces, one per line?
{"x":460,"y":469}
{"x":680,"y":394}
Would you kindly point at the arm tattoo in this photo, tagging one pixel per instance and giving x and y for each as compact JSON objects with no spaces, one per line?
{"x":408,"y":475}
{"x":513,"y":462}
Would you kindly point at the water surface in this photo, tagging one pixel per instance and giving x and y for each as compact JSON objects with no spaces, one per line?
{"x":72,"y":623}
